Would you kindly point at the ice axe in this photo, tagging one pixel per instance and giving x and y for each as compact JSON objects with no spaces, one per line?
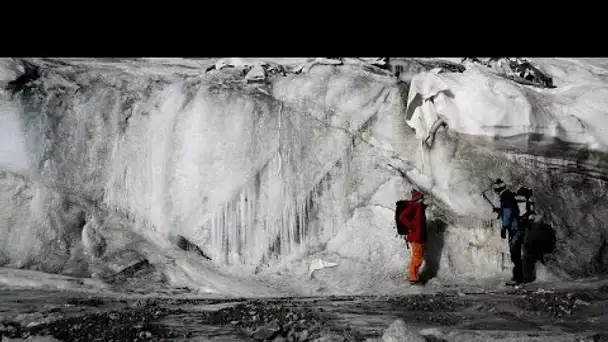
{"x":495,"y":208}
{"x":483,"y":194}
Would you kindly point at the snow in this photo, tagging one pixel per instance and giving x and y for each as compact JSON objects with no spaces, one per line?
{"x":13,"y":278}
{"x":257,"y":73}
{"x":10,"y":69}
{"x":318,"y":264}
{"x":274,"y":181}
{"x":480,"y":103}
{"x":13,"y":154}
{"x":398,"y":331}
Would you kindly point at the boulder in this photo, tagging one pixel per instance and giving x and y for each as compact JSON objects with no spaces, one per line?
{"x":318,"y":264}
{"x":433,"y":335}
{"x":268,"y":331}
{"x":256,"y":74}
{"x":399,"y":332}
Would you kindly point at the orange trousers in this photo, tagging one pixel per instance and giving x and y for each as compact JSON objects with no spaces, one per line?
{"x":416,"y":261}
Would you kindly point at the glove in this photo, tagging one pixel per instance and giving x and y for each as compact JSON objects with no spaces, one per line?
{"x":497,"y":212}
{"x":503,"y":233}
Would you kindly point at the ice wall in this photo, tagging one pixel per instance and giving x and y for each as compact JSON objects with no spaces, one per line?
{"x":233,"y":167}
{"x":120,"y":157}
{"x":13,"y":154}
{"x":495,"y":128}
{"x":549,"y":139}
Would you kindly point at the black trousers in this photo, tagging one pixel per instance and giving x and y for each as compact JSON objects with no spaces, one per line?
{"x":516,"y":241}
{"x":539,"y":241}
{"x":524,"y":262}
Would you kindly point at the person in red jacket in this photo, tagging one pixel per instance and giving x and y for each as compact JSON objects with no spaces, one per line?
{"x":414,"y":219}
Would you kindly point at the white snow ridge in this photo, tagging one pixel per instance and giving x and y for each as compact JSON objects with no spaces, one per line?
{"x":243,"y":177}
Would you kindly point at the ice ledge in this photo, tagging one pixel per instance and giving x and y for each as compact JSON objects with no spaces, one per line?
{"x":478,"y":103}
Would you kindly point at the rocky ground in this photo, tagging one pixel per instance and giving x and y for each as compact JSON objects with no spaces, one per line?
{"x":533,"y":313}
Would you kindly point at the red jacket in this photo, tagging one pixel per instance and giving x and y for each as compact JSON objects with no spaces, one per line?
{"x":413,"y":218}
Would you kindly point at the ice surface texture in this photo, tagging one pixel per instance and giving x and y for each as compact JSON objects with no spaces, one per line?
{"x":109,"y":161}
{"x":552,"y":140}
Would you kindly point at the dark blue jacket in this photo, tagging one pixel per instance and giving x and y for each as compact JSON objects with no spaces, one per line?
{"x":509,"y":211}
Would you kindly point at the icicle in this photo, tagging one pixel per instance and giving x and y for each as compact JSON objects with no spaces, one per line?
{"x":242,"y":222}
{"x":225,"y":232}
{"x":279,"y":136}
{"x":302,"y":218}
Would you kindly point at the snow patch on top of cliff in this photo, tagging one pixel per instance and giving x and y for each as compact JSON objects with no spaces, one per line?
{"x":478,"y":102}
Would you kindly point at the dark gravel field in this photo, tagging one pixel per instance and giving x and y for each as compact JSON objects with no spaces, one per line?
{"x":533,"y":313}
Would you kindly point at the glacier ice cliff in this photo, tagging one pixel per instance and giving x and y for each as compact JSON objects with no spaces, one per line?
{"x":108,"y":165}
{"x":550,"y":139}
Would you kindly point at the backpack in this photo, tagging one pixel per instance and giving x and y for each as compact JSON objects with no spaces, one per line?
{"x":400,"y":206}
{"x":525,"y":201}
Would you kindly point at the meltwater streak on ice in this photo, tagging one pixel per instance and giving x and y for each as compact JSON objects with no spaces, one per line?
{"x":18,"y":237}
{"x":13,"y":153}
{"x":236,"y":171}
{"x":274,"y":213}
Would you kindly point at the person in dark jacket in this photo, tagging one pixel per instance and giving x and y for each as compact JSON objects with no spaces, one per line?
{"x":508,"y":213}
{"x":539,"y":238}
{"x":531,"y":229}
{"x":413,"y":218}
